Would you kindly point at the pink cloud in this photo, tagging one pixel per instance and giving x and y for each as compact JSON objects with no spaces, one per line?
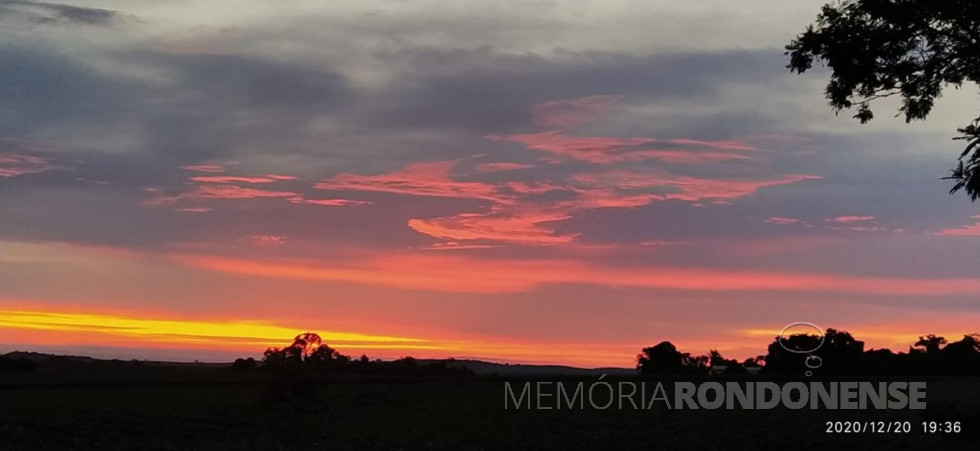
{"x":967,"y":230}
{"x":683,"y":156}
{"x":868,"y":229}
{"x":512,"y":218}
{"x":659,"y":243}
{"x":455,"y":246}
{"x":605,"y":150}
{"x":493,"y":167}
{"x":235,"y":192}
{"x":329,"y":202}
{"x":509,"y":219}
{"x":526,"y":227}
{"x":590,"y":198}
{"x":213,"y":168}
{"x":532,"y":187}
{"x":561,"y":115}
{"x":595,"y":149}
{"x":716,"y":144}
{"x":692,"y":189}
{"x":569,"y":113}
{"x":193,"y":210}
{"x":514,"y":221}
{"x":241,"y":179}
{"x":421,"y":179}
{"x":268,"y":240}
{"x":217,"y":192}
{"x":222,"y":187}
{"x":781,"y":220}
{"x":695,"y":189}
{"x":16,"y":164}
{"x":858,"y":224}
{"x":850,"y":219}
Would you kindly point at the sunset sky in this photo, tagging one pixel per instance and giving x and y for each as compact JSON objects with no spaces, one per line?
{"x":538,"y":181}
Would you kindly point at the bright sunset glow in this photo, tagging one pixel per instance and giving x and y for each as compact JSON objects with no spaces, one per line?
{"x":254,"y":333}
{"x":550,"y":182}
{"x":246,"y":336}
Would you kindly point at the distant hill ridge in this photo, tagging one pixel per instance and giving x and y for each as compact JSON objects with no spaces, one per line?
{"x":40,"y":357}
{"x":482,"y":368}
{"x":479,"y":367}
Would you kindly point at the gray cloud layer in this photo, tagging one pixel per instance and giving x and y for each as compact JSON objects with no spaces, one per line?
{"x":116,"y":119}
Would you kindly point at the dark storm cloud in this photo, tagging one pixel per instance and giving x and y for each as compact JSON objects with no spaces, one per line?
{"x":488,"y":92}
{"x":41,"y":87}
{"x":236,"y":81}
{"x":204,"y":106}
{"x":110,"y":135}
{"x":48,"y":13}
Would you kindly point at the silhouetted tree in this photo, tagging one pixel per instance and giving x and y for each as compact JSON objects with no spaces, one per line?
{"x":308,"y":360}
{"x":880,"y":361}
{"x":244,"y":364}
{"x":274,"y":359}
{"x":908,"y":48}
{"x":756,"y":361}
{"x":961,"y":357}
{"x":780,"y":361}
{"x":840,"y":353}
{"x":294,"y":355}
{"x":732,"y":367}
{"x":292,"y":369}
{"x":930,"y":344}
{"x":304,"y":344}
{"x":325,"y":357}
{"x":694,"y":364}
{"x":715,"y":358}
{"x":664,"y":358}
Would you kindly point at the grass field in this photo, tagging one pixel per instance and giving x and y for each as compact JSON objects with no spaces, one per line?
{"x":215,"y":408}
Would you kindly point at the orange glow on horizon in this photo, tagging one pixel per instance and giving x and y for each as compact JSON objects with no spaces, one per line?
{"x":252,"y":337}
{"x":464,"y":274}
{"x":246,"y":338}
{"x":178,"y":331}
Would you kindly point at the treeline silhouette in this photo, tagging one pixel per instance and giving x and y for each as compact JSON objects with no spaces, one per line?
{"x":839,"y":354}
{"x":309,"y":354}
{"x":296,"y":371}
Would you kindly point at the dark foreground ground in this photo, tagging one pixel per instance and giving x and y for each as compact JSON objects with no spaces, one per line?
{"x":216,"y":408}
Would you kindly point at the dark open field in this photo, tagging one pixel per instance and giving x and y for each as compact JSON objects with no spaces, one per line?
{"x":151,"y":407}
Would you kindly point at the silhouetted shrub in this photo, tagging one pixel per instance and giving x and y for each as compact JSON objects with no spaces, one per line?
{"x":244,"y":364}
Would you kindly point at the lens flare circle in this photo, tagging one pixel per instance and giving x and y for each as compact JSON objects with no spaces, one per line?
{"x":813,"y":362}
{"x":779,"y":338}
